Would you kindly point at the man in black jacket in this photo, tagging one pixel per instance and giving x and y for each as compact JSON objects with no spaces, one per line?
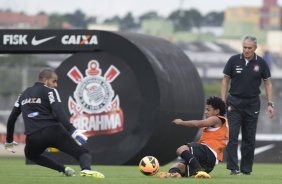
{"x":47,"y":125}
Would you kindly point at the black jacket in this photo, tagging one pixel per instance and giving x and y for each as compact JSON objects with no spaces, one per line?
{"x":40,"y":107}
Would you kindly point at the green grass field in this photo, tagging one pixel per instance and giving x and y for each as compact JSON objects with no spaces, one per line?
{"x":14,"y":170}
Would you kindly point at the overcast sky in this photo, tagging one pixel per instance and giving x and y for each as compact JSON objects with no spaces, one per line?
{"x":108,"y":8}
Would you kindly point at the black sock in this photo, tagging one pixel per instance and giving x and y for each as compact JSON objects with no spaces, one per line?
{"x":174,"y":170}
{"x":85,"y":161}
{"x":191,"y":160}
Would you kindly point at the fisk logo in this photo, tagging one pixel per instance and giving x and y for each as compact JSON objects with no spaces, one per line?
{"x":79,"y":40}
{"x":15,"y":39}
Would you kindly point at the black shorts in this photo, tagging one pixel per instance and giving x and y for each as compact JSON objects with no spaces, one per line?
{"x":205,"y":157}
{"x":53,"y":136}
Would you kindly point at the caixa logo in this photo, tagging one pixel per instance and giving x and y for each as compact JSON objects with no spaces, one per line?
{"x":95,"y":107}
{"x":79,"y":40}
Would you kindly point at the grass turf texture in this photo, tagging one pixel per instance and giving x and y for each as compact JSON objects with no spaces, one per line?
{"x":13,"y":170}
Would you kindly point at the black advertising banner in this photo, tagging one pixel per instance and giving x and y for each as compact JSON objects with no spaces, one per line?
{"x":48,"y":41}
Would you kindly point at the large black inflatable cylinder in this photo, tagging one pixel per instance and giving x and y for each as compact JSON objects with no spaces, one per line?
{"x":123,"y":88}
{"x":157,"y":83}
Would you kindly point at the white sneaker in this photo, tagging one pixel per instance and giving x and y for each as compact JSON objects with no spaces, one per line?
{"x":94,"y":174}
{"x":69,"y":171}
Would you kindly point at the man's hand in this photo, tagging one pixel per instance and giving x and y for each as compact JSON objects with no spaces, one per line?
{"x":177,"y":121}
{"x":79,"y":137}
{"x":270,"y":111}
{"x":10,"y":146}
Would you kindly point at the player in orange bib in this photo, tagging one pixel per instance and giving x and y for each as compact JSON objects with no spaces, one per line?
{"x":199,"y":158}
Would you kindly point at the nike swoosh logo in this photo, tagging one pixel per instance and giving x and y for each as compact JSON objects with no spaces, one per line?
{"x":257,"y":150}
{"x":40,"y":41}
{"x":264,"y":148}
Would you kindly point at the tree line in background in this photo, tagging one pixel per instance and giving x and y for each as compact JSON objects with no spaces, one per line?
{"x":183,"y":20}
{"x":16,"y":72}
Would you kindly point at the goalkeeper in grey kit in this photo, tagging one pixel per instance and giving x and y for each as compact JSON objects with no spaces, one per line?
{"x":47,"y":125}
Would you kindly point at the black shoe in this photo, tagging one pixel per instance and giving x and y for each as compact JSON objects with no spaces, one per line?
{"x":246,"y":173}
{"x":235,"y":172}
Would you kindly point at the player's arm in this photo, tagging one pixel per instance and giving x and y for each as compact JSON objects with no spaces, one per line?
{"x":227,"y":72}
{"x":213,"y":121}
{"x":16,"y":111}
{"x":268,"y":92}
{"x":224,"y":87}
{"x":62,"y":117}
{"x":58,"y":111}
{"x":268,"y":89}
{"x":11,"y":124}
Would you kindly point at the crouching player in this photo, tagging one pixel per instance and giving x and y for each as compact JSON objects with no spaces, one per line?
{"x":47,"y":125}
{"x":199,"y":159}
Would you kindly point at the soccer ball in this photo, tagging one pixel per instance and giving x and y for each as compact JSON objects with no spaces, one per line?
{"x":149,"y":165}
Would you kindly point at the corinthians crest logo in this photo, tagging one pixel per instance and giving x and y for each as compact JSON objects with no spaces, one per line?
{"x":94,"y":106}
